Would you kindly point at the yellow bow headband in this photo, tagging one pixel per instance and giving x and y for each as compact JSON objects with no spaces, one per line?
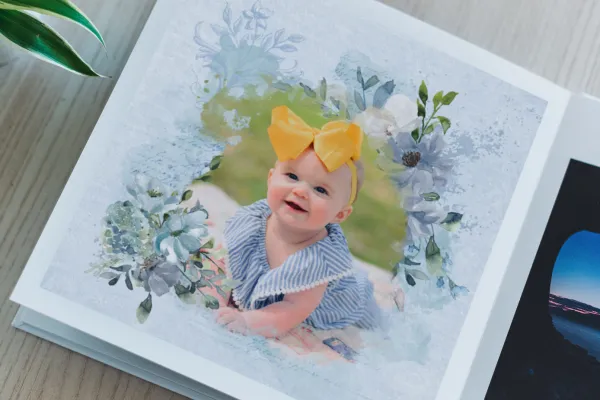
{"x":336,"y":143}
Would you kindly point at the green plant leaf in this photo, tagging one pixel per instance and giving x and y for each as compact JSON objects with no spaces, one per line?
{"x":431,"y":196}
{"x":215,"y":162}
{"x":418,"y":274}
{"x":372,"y":81}
{"x":437,"y":98}
{"x":452,"y":221}
{"x":187,"y":195}
{"x":409,"y":261}
{"x":360,"y":102}
{"x":144,"y":309}
{"x":42,"y":41}
{"x":449,"y":98}
{"x":423,"y":95}
{"x":308,"y":91}
{"x":433,"y":256}
{"x":359,"y":78}
{"x":211,"y":302}
{"x":128,"y":281}
{"x":323,"y":89}
{"x":59,"y":8}
{"x":415,"y":134}
{"x":445,"y":123}
{"x":429,"y":129}
{"x":421,"y":112}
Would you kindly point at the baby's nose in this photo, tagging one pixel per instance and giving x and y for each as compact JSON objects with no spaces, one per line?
{"x":300,"y":191}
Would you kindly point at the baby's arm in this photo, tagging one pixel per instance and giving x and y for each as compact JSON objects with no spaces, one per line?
{"x":277,"y":318}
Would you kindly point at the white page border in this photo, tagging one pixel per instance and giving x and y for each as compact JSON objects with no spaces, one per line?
{"x":29,"y":293}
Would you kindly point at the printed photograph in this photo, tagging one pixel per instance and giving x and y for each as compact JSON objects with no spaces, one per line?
{"x":553,"y":347}
{"x":310,"y":210}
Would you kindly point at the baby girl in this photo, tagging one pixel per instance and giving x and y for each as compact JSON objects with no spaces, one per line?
{"x":288,"y":250}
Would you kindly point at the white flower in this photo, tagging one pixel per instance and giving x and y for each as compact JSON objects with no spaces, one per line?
{"x":152,"y":196}
{"x":398,"y":115}
{"x":421,"y":214}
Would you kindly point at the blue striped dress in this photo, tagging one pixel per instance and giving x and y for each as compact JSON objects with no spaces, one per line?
{"x":348,"y":299}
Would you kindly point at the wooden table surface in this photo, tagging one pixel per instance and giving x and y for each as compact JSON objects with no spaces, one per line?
{"x":47,"y":115}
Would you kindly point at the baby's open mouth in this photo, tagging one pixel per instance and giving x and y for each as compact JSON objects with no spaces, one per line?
{"x":294,"y":206}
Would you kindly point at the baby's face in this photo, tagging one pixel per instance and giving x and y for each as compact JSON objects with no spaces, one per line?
{"x":304,"y":194}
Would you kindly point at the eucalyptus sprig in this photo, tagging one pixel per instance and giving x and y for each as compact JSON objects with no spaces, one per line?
{"x":439,"y":100}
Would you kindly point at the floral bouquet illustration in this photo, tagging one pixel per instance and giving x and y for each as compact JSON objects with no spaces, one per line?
{"x":151,"y":242}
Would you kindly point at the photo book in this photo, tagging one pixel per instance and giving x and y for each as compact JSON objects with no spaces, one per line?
{"x":327,"y":199}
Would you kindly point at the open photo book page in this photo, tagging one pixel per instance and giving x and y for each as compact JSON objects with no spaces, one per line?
{"x":302,"y":210}
{"x":552,"y":349}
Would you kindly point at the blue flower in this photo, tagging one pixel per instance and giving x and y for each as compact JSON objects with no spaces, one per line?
{"x":427,"y":156}
{"x":456,"y":290}
{"x":257,"y":16}
{"x":158,"y":277}
{"x":180,"y":236}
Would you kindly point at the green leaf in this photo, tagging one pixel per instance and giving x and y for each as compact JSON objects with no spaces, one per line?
{"x":323,"y":89}
{"x":423,"y":95}
{"x":359,"y":78}
{"x":128,"y":281}
{"x":452,"y":221}
{"x":431,"y":196}
{"x":184,"y":294}
{"x":187,"y":195}
{"x":42,"y":41}
{"x":286,"y":87}
{"x":372,"y":81}
{"x":360,"y":102}
{"x":437,"y":99}
{"x":209,"y":244}
{"x":308,"y":91}
{"x":449,"y":98}
{"x":215,"y":162}
{"x":114,"y":281}
{"x":204,"y":178}
{"x":415,"y":134}
{"x":421,"y":112}
{"x":211,"y":302}
{"x":59,"y":8}
{"x":221,"y":292}
{"x":433,"y":257}
{"x":445,"y":122}
{"x":144,"y":309}
{"x":429,"y":129}
{"x":408,"y":261}
{"x":418,"y":274}
{"x":207,"y":273}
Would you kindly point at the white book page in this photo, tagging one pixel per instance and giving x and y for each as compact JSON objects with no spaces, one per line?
{"x":505,"y":115}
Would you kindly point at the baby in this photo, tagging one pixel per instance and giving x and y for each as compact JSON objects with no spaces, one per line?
{"x":288,"y":251}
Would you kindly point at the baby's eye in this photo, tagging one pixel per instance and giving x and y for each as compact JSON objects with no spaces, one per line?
{"x":292,"y":176}
{"x":321,"y":190}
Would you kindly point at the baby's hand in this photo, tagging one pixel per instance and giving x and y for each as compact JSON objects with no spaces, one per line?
{"x":232,"y":319}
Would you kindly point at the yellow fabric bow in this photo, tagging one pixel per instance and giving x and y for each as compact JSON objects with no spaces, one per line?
{"x":336,"y":143}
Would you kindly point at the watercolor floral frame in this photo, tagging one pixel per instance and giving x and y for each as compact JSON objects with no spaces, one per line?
{"x":153,"y":241}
